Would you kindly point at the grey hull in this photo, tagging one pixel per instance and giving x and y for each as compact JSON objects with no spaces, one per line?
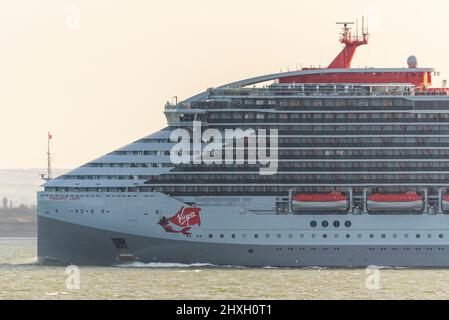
{"x":72,"y":243}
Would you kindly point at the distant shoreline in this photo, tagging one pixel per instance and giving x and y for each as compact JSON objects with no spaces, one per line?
{"x":17,"y":237}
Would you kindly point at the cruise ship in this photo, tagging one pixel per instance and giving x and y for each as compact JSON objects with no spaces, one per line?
{"x":359,"y":176}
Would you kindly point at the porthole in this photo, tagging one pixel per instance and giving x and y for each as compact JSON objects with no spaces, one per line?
{"x":301,"y":236}
{"x":279,"y":236}
{"x":429,"y":236}
{"x":359,"y":236}
{"x":233,"y":236}
{"x":313,"y":224}
{"x":406,"y":236}
{"x":222,"y":235}
{"x":371,"y":236}
{"x":210,"y":235}
{"x":440,"y":236}
{"x":336,"y":224}
{"x":324,"y":224}
{"x":256,"y":236}
{"x":348,"y":236}
{"x":395,"y":236}
{"x":418,"y":236}
{"x":290,"y":236}
{"x":267,"y":236}
{"x":324,"y":236}
{"x":383,"y":236}
{"x":348,"y":224}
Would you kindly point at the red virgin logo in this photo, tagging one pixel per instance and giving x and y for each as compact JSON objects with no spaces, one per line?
{"x":186,"y":217}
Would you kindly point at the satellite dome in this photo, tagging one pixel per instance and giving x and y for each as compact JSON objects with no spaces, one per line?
{"x":412,"y":62}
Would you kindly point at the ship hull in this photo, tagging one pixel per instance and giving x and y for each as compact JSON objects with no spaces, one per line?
{"x":76,"y":244}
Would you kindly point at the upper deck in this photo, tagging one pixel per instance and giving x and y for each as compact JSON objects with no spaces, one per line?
{"x":283,"y":84}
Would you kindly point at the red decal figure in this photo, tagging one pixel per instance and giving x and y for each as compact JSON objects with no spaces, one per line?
{"x":186,"y":217}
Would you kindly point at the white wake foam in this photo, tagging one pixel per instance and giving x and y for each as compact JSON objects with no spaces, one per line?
{"x":175,"y":265}
{"x":163,"y":265}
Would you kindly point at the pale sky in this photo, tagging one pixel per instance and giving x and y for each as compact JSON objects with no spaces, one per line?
{"x":105,"y":84}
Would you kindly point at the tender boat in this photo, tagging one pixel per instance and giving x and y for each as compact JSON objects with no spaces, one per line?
{"x":396,"y":201}
{"x":445,"y":202}
{"x":335,"y":201}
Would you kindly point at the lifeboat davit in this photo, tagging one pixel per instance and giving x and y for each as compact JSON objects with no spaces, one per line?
{"x":396,"y":201}
{"x":320,"y":201}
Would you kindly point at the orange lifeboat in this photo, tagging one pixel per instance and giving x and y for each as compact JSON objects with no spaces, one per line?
{"x":335,"y":201}
{"x":395,"y":201}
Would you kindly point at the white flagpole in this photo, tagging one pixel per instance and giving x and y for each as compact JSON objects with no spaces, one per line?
{"x":49,"y":174}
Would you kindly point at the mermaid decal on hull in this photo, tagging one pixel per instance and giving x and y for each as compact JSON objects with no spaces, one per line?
{"x":186,"y":217}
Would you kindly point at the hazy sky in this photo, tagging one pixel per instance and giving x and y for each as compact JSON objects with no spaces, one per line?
{"x":104,"y":84}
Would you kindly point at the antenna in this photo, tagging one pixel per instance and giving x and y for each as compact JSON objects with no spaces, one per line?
{"x":351,"y":42}
{"x":363,"y":24}
{"x":49,"y":171}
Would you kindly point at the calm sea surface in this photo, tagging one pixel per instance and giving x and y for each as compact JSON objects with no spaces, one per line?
{"x":22,"y":278}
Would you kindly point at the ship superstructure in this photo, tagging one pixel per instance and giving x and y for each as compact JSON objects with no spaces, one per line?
{"x":362,"y":172}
